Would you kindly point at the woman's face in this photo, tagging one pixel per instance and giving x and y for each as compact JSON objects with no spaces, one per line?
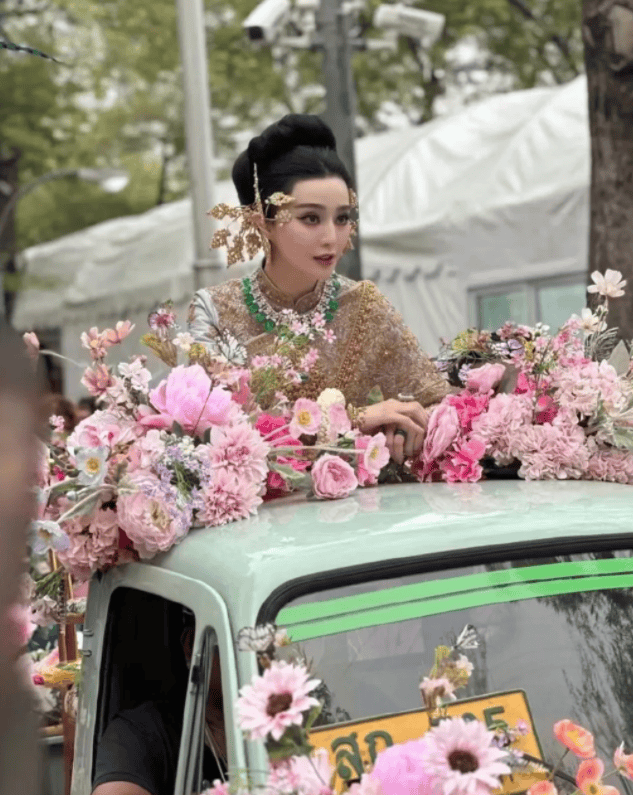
{"x":315,"y":239}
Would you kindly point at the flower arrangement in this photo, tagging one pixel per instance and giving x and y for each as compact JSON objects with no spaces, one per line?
{"x":551,"y":406}
{"x":455,"y":756}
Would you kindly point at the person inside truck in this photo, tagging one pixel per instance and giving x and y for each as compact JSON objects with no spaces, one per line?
{"x":138,"y":752}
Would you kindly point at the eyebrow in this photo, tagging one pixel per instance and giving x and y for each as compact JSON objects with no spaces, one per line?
{"x":321,"y":206}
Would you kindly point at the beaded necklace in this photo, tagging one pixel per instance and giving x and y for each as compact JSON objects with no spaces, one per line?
{"x":259,"y":306}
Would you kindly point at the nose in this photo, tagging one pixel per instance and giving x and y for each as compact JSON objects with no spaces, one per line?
{"x":329,"y":232}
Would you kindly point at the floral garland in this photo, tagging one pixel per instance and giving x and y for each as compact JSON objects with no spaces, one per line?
{"x":454,"y":757}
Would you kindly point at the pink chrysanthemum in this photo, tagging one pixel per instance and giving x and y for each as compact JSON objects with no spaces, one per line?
{"x":276,"y":700}
{"x":460,"y":756}
{"x":229,"y":498}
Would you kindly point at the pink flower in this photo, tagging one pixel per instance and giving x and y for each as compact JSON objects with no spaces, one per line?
{"x":543,"y":788}
{"x":146,"y":518}
{"x":96,"y":343}
{"x":442,"y":431}
{"x":32,"y":344}
{"x":546,"y":410}
{"x":579,"y":741}
{"x":95,"y":548}
{"x":339,"y":421}
{"x":332,"y":477}
{"x":276,"y":700}
{"x":97,"y":379}
{"x":610,"y":284}
{"x":228,"y":498}
{"x":468,"y":406}
{"x":436,"y":691}
{"x":188,"y":397}
{"x":551,"y":451}
{"x":302,"y":775}
{"x":462,"y":466}
{"x":146,"y":451}
{"x":266,"y":424}
{"x":375,"y":457}
{"x":524,"y":385}
{"x":609,"y":464}
{"x":101,"y":429}
{"x":306,"y":418}
{"x":238,"y":449}
{"x":368,"y":785}
{"x":18,"y":627}
{"x":462,"y":759}
{"x":623,"y":762}
{"x":506,"y":416}
{"x":400,"y":769}
{"x":485,"y":378}
{"x":118,"y":334}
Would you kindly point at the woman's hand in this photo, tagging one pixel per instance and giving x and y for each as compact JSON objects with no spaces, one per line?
{"x":392,"y":415}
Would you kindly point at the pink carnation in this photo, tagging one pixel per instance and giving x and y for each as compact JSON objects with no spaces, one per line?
{"x":462,"y":465}
{"x":276,"y":700}
{"x":146,"y":518}
{"x":228,"y":498}
{"x":468,"y":406}
{"x":332,"y":477}
{"x":580,"y":388}
{"x":95,"y":548}
{"x":238,"y":449}
{"x":485,"y":378}
{"x":188,"y":397}
{"x":375,"y":457}
{"x":400,"y":770}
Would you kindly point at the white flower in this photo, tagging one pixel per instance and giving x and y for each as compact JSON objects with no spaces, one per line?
{"x":464,"y":664}
{"x":91,"y":463}
{"x":45,"y":535}
{"x":184,"y":341}
{"x":139,"y":376}
{"x":329,"y":397}
{"x":588,"y":322}
{"x":610,"y":284}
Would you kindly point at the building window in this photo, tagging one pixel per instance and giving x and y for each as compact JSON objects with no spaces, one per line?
{"x":549,"y":301}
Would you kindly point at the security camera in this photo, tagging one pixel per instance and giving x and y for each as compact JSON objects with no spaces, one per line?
{"x":265,"y":22}
{"x":413,"y":22}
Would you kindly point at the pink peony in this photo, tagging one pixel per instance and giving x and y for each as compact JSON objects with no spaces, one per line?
{"x":443,"y":429}
{"x":375,"y":457}
{"x":332,"y":477}
{"x":238,"y":449}
{"x":306,"y":418}
{"x":400,"y":770}
{"x":101,"y":429}
{"x":276,"y":700}
{"x":188,"y":397}
{"x":462,"y":466}
{"x":228,"y":498}
{"x":468,"y":406}
{"x":485,"y":378}
{"x":462,"y":759}
{"x":96,"y":548}
{"x":146,"y":518}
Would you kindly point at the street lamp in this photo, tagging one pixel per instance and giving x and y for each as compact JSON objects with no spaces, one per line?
{"x":111,"y":180}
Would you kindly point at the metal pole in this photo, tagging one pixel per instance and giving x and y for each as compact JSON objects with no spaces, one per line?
{"x":208,"y":266}
{"x":340,"y":110}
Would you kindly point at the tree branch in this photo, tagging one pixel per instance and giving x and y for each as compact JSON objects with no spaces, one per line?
{"x":559,"y":41}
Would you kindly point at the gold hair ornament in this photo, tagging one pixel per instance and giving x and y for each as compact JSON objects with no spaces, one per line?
{"x":353,"y":200}
{"x":247,"y":239}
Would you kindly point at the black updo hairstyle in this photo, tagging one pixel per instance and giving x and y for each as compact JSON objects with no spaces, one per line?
{"x":298,"y":146}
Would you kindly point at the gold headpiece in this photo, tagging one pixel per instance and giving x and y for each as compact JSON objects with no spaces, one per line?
{"x":248,"y":236}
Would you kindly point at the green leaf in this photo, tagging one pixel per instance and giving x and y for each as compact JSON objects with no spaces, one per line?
{"x":312,"y":716}
{"x":177,"y":430}
{"x":290,"y":475}
{"x":620,"y":359}
{"x":375,"y":396}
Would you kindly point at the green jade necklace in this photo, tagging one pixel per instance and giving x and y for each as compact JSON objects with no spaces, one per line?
{"x":272,"y":319}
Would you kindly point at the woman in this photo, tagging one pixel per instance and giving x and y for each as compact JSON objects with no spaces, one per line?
{"x":297,"y":202}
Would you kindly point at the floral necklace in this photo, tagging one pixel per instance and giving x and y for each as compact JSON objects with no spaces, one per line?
{"x":259,"y":306}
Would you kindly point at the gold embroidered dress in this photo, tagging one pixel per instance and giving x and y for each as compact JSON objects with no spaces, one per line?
{"x":373,"y":346}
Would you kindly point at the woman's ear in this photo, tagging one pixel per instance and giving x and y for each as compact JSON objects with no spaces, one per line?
{"x":264,"y":225}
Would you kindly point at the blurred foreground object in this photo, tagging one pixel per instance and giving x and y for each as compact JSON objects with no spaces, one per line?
{"x":608,"y":38}
{"x":18,"y":743}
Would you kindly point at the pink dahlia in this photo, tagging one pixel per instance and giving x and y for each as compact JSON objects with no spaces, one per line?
{"x":187,"y":396}
{"x":229,"y":498}
{"x":462,"y":759}
{"x":146,"y":517}
{"x":275,"y":700}
{"x":401,"y":770}
{"x":240,"y":450}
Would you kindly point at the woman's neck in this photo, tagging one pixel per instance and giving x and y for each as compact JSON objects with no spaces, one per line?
{"x":291,"y":282}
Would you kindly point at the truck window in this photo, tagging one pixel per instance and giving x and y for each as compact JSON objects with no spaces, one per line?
{"x":555,"y":641}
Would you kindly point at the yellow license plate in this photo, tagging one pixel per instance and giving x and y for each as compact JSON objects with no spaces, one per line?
{"x":353,"y":746}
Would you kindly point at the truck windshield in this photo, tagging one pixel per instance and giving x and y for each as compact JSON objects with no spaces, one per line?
{"x":555,"y":640}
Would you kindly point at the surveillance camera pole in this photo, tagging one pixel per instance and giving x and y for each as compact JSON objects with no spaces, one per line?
{"x":340,"y":112}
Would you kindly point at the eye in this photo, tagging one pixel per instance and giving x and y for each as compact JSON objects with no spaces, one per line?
{"x":343,"y":219}
{"x":311,"y":219}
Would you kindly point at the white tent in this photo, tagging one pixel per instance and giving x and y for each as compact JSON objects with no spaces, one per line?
{"x":494,"y":193}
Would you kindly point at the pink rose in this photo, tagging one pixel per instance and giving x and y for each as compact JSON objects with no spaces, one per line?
{"x":101,"y":429}
{"x":485,"y":378}
{"x":332,"y":477}
{"x":187,"y":396}
{"x":442,"y":431}
{"x":463,"y":466}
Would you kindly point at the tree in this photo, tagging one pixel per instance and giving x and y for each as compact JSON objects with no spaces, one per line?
{"x":608,"y":37}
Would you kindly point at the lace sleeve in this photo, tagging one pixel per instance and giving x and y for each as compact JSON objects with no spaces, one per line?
{"x":202,"y":319}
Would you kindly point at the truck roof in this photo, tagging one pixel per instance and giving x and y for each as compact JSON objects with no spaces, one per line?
{"x":294,"y":540}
